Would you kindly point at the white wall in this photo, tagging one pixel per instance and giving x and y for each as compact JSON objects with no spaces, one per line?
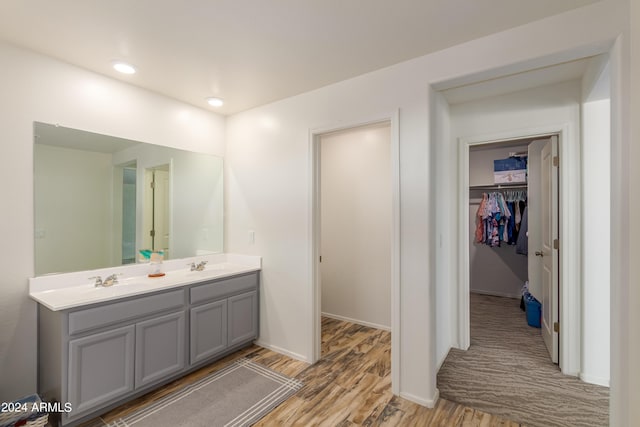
{"x":35,"y":87}
{"x":628,"y":306}
{"x":446,"y":296}
{"x":538,"y":107}
{"x":71,"y":236}
{"x":268,"y":189}
{"x":356,"y":225}
{"x":268,"y":176}
{"x":498,"y":271}
{"x":596,"y":248}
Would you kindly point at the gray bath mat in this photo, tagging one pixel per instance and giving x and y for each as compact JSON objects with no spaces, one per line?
{"x":238,"y":395}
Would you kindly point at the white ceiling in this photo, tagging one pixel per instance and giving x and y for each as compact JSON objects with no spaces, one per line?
{"x":252,"y":52}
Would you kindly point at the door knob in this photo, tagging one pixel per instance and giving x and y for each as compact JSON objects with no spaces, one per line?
{"x":539,"y":253}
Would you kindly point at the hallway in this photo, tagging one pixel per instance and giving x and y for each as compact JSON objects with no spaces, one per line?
{"x":507,"y":372}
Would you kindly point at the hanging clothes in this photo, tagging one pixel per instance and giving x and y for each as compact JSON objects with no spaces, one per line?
{"x":522,"y":246}
{"x":511,"y":227}
{"x":496,"y":218}
{"x":480,"y":228}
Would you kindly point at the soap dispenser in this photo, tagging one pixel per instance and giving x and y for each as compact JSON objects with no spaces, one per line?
{"x":155,"y":264}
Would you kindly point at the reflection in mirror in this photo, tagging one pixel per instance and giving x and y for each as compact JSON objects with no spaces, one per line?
{"x":156,"y":209}
{"x":96,"y":206}
{"x":129,"y":180}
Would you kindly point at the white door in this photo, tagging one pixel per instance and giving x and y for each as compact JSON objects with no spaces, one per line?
{"x":157,"y":202}
{"x":161,"y":211}
{"x":147,"y":220}
{"x":543,"y":232}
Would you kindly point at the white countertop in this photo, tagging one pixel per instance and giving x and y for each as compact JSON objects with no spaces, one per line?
{"x":70,"y":290}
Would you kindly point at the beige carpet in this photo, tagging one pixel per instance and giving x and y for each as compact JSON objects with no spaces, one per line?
{"x":507,"y":372}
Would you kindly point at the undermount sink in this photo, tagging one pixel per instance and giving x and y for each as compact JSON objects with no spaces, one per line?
{"x":70,"y":290}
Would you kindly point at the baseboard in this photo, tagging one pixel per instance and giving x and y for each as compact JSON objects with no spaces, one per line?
{"x":429,"y":403}
{"x":282,"y":351}
{"x":591,"y":379}
{"x":441,"y":361}
{"x":356,"y":321}
{"x":496,"y":294}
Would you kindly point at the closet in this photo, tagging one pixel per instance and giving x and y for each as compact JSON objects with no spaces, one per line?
{"x":355,"y":225}
{"x":496,"y":267}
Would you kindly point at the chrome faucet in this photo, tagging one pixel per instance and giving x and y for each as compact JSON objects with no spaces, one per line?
{"x":109,"y":281}
{"x":197,"y":267}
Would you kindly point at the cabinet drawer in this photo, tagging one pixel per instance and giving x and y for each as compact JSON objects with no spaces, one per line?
{"x":104,"y":315}
{"x":224,"y":287}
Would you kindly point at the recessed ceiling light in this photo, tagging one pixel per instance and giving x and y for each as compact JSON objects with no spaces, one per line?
{"x":123,"y":67}
{"x":215,"y":102}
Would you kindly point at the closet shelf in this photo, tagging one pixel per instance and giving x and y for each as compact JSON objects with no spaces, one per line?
{"x":498,"y":187}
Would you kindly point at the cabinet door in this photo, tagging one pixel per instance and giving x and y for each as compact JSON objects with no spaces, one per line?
{"x":160,"y":348}
{"x":208,"y":330}
{"x":243,"y":318}
{"x":100,"y":368}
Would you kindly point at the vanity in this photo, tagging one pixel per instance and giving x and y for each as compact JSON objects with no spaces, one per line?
{"x":102,"y":346}
{"x":107,"y":332}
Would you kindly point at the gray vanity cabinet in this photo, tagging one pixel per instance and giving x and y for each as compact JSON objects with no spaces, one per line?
{"x":96,"y":356}
{"x":159,"y":348}
{"x":99,"y":356}
{"x":224,"y":316}
{"x":243,"y":317}
{"x":110,"y":364}
{"x":101,"y":367}
{"x":208,"y":330}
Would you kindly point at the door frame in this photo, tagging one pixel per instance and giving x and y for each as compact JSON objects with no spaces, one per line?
{"x":314,"y":250}
{"x":569,"y":207}
{"x":141,"y":205}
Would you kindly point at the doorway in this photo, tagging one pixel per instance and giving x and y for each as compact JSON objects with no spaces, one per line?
{"x":569,"y":110}
{"x":129,"y":174}
{"x":355,"y":225}
{"x":391,"y":122}
{"x":563,"y":230}
{"x":506,"y":367}
{"x":514,"y":227}
{"x":157,"y":213}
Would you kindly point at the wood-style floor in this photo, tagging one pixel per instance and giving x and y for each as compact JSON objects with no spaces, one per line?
{"x":350,"y":386}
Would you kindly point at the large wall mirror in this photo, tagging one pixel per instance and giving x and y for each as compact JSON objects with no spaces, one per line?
{"x":100,"y":199}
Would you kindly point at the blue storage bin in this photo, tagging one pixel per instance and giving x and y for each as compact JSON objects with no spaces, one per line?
{"x":534,"y":311}
{"x":510,"y":171}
